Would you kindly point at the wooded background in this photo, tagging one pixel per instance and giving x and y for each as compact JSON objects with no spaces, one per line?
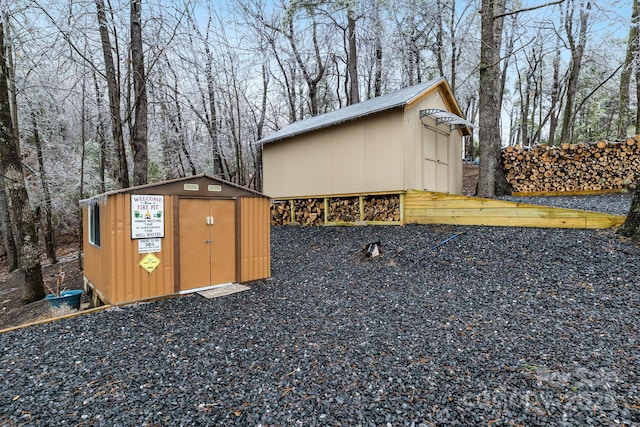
{"x":111,"y":93}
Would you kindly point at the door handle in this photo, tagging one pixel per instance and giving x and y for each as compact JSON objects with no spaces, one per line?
{"x":210,"y":220}
{"x":208,"y":241}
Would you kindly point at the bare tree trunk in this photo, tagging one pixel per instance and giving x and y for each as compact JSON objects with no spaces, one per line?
{"x":8,"y":239}
{"x":507,"y":54}
{"x":49,"y":232}
{"x":289,"y":84}
{"x":439,"y":48}
{"x":235,"y":116}
{"x":352,"y":59}
{"x":377,"y":80}
{"x":470,"y":111}
{"x":260,"y":128}
{"x":555,"y":94}
{"x":178,"y":126}
{"x":577,"y":50}
{"x":528,"y":98}
{"x":491,"y":176}
{"x":23,"y":218}
{"x":208,"y":114}
{"x":114,"y":96}
{"x":102,"y":141}
{"x":631,"y":226}
{"x":312,"y":81}
{"x":139,"y":139}
{"x":83,"y":141}
{"x":538,"y":100}
{"x":267,"y":32}
{"x":174,"y":142}
{"x":524,"y":111}
{"x":218,"y":166}
{"x":171,"y":137}
{"x":625,"y":76}
{"x":454,"y":49}
{"x":12,"y":82}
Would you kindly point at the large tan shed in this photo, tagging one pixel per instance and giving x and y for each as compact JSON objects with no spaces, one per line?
{"x":174,"y":237}
{"x":407,"y":140}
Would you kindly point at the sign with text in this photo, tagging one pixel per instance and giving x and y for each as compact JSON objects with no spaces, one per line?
{"x":147,"y":216}
{"x":146,"y":246}
{"x":149,"y":262}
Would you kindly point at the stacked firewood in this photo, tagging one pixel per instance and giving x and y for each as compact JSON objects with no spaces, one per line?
{"x":340,"y":209}
{"x":382,"y":208}
{"x":309,"y":211}
{"x":344,"y":209}
{"x":306,"y":212}
{"x":280,"y":212}
{"x":573,"y":167}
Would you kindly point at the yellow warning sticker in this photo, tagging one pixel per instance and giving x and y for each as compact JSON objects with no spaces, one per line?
{"x":149,"y":262}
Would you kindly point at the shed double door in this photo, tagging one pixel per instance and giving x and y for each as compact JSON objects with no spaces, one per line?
{"x":435,"y":163}
{"x":207,"y":242}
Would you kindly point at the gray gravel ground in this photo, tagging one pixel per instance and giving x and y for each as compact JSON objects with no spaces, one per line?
{"x":497,"y":327}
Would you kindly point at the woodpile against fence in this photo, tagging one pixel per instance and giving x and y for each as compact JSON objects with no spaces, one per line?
{"x":383,"y":208}
{"x":573,"y":167}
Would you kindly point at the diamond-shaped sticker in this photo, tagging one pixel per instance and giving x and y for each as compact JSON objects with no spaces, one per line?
{"x":149,"y":262}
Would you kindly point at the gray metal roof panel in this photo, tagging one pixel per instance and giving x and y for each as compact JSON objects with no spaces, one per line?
{"x":395,"y":99}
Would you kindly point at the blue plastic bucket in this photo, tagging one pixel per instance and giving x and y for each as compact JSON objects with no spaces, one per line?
{"x":70,"y":298}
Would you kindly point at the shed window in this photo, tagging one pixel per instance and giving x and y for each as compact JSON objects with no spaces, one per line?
{"x":94,"y":224}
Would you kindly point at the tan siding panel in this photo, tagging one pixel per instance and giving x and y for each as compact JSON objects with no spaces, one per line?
{"x":455,"y":162}
{"x":383,"y":152}
{"x":273,"y":161}
{"x":359,"y":156}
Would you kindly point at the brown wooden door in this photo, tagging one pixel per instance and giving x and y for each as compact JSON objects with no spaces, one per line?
{"x":207,"y":242}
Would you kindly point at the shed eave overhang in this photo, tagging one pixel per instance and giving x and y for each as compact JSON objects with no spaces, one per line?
{"x":446,"y":117}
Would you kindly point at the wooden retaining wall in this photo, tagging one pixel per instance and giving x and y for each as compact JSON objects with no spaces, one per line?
{"x":422,"y":207}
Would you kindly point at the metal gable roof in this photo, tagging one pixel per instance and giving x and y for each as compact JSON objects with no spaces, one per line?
{"x":140,"y":188}
{"x":395,"y":99}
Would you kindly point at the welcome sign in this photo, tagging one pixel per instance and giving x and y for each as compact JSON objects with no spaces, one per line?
{"x":147,"y":216}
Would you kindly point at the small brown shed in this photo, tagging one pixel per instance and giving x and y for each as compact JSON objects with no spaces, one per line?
{"x":173,"y":237}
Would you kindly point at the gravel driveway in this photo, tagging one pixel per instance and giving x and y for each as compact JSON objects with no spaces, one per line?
{"x":496,"y":327}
